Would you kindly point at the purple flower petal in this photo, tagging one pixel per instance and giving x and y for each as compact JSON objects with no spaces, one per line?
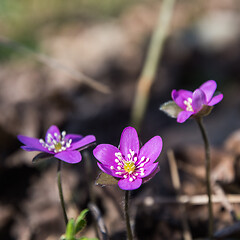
{"x":107,"y":170}
{"x":32,"y":144}
{"x":216,"y":100}
{"x":29,"y":149}
{"x":209,"y":88}
{"x":198,"y":100}
{"x":148,"y":169}
{"x":179,"y":97}
{"x":74,"y":137}
{"x":125,"y":184}
{"x":105,"y":153}
{"x":69,"y":156}
{"x":129,"y":140}
{"x":82,"y":142}
{"x":183,"y":116}
{"x":150,"y":176}
{"x":53,"y":129}
{"x":151,"y":149}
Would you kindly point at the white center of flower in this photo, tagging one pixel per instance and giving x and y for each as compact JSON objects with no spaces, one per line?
{"x":188,"y":104}
{"x":130,"y":166}
{"x":56,"y":143}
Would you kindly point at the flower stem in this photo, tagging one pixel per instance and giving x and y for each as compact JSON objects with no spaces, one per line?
{"x":208,"y":180}
{"x":61,"y":192}
{"x":128,"y":226}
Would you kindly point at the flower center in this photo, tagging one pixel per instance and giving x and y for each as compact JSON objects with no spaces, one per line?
{"x":58,"y":146}
{"x":56,"y":142}
{"x":129,"y":166}
{"x":188,"y":104}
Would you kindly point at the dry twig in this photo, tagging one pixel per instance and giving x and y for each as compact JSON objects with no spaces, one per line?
{"x":177,"y":186}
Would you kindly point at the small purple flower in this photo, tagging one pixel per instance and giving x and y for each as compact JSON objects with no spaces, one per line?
{"x":193,"y":102}
{"x":131,"y":165}
{"x":61,"y":145}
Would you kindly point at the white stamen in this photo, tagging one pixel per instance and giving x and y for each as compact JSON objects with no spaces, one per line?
{"x":130,"y":179}
{"x":55,"y":142}
{"x":112,"y":167}
{"x":119,"y":168}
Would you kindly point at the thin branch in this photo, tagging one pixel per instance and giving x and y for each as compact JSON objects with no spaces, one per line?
{"x":193,"y":200}
{"x":177,"y":186}
{"x":50,"y":62}
{"x":150,"y":67}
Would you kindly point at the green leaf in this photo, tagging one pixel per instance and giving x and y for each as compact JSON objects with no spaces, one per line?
{"x":83,"y":214}
{"x":80,"y":225}
{"x":104,"y":179}
{"x":171,"y":109}
{"x":70,"y":230}
{"x":81,"y":222}
{"x":42,"y":156}
{"x":86,"y":238}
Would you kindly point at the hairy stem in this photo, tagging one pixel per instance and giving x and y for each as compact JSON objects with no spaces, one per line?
{"x":208,"y":173}
{"x":128,"y":226}
{"x":59,"y":181}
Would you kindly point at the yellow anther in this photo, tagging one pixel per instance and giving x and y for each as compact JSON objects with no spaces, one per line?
{"x":129,"y":167}
{"x":58,"y":146}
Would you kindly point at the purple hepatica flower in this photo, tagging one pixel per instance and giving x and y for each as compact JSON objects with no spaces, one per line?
{"x":133,"y":166}
{"x":193,"y":102}
{"x":61,"y":145}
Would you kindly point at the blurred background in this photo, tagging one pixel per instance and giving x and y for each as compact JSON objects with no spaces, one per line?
{"x":76,"y":64}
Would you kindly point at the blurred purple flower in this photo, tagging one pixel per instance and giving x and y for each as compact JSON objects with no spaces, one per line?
{"x":61,"y":145}
{"x":133,"y":166}
{"x":193,"y":102}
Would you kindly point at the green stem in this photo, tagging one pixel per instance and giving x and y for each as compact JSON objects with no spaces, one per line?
{"x":128,"y":226}
{"x":61,"y":192}
{"x":208,"y":174}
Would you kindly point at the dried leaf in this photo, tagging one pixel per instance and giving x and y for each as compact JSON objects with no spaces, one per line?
{"x":105,"y":179}
{"x":171,"y":109}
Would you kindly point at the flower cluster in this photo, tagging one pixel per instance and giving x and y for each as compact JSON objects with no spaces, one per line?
{"x":129,"y":164}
